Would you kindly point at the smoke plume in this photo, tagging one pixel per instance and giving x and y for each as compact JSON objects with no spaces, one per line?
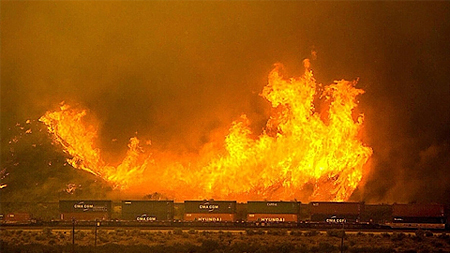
{"x":178,"y":73}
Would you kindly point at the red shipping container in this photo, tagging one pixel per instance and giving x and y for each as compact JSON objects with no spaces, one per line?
{"x":209,"y":217}
{"x":17,"y":217}
{"x":418,"y":210}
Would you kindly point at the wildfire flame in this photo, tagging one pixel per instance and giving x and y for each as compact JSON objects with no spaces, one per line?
{"x":301,"y":154}
{"x":78,"y":140}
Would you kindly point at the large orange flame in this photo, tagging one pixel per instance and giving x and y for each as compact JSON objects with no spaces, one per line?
{"x":78,"y":140}
{"x":301,"y":154}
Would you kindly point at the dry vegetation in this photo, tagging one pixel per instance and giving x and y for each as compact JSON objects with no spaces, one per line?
{"x":252,"y":240}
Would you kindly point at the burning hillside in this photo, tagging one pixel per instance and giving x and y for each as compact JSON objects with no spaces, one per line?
{"x":302,"y":153}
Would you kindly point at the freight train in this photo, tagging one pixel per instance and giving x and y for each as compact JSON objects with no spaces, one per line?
{"x":251,"y":214}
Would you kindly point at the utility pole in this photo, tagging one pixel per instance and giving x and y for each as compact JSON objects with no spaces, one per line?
{"x":97,"y":224}
{"x":342,"y":238}
{"x":73,"y":235}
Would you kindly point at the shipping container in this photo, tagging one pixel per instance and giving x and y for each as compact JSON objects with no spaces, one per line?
{"x":147,"y":210}
{"x":418,"y":213}
{"x":210,"y":217}
{"x":335,"y":208}
{"x":418,"y":210}
{"x":377,"y":213}
{"x":82,"y":206}
{"x":274,"y":207}
{"x":86,"y":216}
{"x":209,"y":206}
{"x":273,"y":211}
{"x":272,"y":217}
{"x":336,"y":211}
{"x":85,"y":209}
{"x":399,"y":219}
{"x":17,"y":218}
{"x":305,"y":213}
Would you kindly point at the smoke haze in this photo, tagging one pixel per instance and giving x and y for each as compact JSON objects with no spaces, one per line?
{"x":177,"y":73}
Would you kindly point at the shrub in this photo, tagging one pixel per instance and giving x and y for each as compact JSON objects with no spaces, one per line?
{"x":368,"y":249}
{"x":283,"y":247}
{"x":360,"y":234}
{"x":136,"y":232}
{"x":398,"y":236}
{"x":385,"y":235}
{"x":260,"y":232}
{"x":209,"y":244}
{"x":336,"y":233}
{"x":177,"y":231}
{"x":26,"y":238}
{"x":326,"y":247}
{"x":420,"y":234}
{"x":192,"y":231}
{"x":438,"y":244}
{"x":443,"y":236}
{"x":352,"y":243}
{"x":296,"y":232}
{"x":277,"y":232}
{"x":47,"y":231}
{"x":120,"y":231}
{"x":40,"y":237}
{"x":80,"y":235}
{"x":312,"y":232}
{"x":250,"y":231}
{"x":428,"y":233}
{"x":15,"y":241}
{"x":242,"y":246}
{"x":205,"y":233}
{"x":133,"y":241}
{"x":103,"y":239}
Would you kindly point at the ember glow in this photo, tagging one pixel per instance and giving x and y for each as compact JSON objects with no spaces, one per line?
{"x":303,"y":153}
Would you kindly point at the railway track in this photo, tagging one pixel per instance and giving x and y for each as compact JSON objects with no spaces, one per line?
{"x":211,"y":227}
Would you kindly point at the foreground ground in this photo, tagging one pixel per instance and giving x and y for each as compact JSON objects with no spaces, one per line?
{"x":253,"y":240}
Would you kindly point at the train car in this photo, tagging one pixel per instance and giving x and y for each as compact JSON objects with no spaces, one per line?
{"x":148,"y":210}
{"x":87,"y":210}
{"x":377,"y":213}
{"x":272,"y":211}
{"x":429,"y":216}
{"x":336,"y":212}
{"x":209,"y":210}
{"x":17,"y":218}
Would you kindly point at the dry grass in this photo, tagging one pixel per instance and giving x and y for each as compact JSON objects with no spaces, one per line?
{"x":204,"y":241}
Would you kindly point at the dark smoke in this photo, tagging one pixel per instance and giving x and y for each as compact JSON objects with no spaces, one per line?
{"x":174,"y":72}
